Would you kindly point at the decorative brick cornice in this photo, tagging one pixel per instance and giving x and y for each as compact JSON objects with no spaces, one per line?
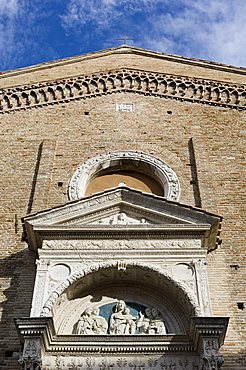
{"x":180,"y":88}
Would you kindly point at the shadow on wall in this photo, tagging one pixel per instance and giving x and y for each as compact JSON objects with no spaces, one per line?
{"x":194,"y":174}
{"x":17,"y":276}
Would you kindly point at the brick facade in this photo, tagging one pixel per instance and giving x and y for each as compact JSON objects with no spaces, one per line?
{"x":42,"y":146}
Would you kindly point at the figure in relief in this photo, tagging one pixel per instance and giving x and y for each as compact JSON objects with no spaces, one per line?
{"x":121,"y":219}
{"x":121,"y":321}
{"x":91,"y":323}
{"x":151,"y":322}
{"x":85,"y":323}
{"x":100,"y":325}
{"x":157,"y":324}
{"x":144,"y":321}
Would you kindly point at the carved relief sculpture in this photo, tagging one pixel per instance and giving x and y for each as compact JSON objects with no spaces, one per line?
{"x":121,"y":219}
{"x":100,"y":324}
{"x":121,"y":322}
{"x":151,"y":322}
{"x":211,"y":359}
{"x":91,"y":323}
{"x":31,"y":358}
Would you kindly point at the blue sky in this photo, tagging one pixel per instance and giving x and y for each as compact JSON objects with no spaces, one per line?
{"x":36,"y":31}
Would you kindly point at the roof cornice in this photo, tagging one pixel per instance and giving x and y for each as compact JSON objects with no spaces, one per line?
{"x":182,"y":88}
{"x":125,"y":49}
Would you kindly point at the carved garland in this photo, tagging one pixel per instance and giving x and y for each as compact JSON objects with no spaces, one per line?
{"x":142,"y":82}
{"x":186,"y":295}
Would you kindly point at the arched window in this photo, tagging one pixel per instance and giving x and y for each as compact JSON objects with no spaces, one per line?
{"x":135,"y":169}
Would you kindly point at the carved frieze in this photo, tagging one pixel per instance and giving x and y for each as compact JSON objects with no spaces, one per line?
{"x":107,"y":244}
{"x":167,"y":362}
{"x":141,"y":82}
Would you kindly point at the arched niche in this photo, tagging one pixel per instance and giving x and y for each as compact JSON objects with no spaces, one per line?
{"x":135,"y":169}
{"x":106,"y":284}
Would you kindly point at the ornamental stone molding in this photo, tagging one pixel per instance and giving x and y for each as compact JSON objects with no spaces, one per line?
{"x":122,"y":362}
{"x":31,"y":356}
{"x":187,"y":297}
{"x":108,"y":244}
{"x":154,"y":167}
{"x":199,"y":350}
{"x":160,"y":85}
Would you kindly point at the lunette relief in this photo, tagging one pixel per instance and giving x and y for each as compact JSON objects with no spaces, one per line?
{"x":121,"y":321}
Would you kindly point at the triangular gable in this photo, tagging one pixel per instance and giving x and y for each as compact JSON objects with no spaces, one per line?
{"x":71,"y":66}
{"x":120,"y":210}
{"x":88,"y":75}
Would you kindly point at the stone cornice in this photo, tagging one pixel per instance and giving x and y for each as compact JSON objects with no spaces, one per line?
{"x":44,"y":328}
{"x":208,"y":326}
{"x":53,"y":224}
{"x":129,"y":232}
{"x":193,"y":90}
{"x":126,"y":49}
{"x":211,"y":328}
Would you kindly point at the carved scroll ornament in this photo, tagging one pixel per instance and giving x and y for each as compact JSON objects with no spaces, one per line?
{"x":211,"y":358}
{"x":31,"y":357}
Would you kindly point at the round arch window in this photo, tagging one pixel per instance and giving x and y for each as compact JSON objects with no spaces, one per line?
{"x":134,"y":169}
{"x":130,"y":178}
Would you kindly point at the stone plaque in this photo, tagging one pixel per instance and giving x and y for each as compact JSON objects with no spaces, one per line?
{"x":124,"y":107}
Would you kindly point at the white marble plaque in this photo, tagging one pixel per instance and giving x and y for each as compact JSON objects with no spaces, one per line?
{"x":124,"y":107}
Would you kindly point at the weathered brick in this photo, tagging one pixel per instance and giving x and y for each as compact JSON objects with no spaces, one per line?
{"x":54,"y":140}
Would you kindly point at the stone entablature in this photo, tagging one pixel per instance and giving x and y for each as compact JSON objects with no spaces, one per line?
{"x":164,"y":219}
{"x":198,"y":350}
{"x":124,"y":80}
{"x":151,"y":246}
